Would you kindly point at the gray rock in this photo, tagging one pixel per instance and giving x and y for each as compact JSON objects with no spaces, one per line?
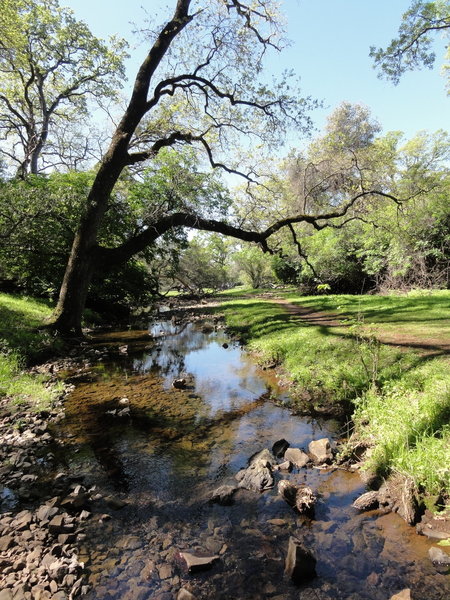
{"x":320,"y":451}
{"x":438,"y":556}
{"x":257,"y":477}
{"x":300,"y":564}
{"x":297,"y":457}
{"x":366,"y":501}
{"x":223,"y":495}
{"x":264,"y":456}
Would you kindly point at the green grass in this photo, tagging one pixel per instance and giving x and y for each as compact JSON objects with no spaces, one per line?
{"x":21,"y":343}
{"x":399,"y":393}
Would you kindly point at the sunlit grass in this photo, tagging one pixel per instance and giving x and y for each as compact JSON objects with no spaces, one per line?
{"x":19,"y":342}
{"x":401,"y":398}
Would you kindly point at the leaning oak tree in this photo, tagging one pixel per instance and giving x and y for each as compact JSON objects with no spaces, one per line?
{"x":200,"y":84}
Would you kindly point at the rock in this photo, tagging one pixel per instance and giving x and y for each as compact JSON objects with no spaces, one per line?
{"x":300,"y":564}
{"x":196,"y":563}
{"x":297,"y":457}
{"x":130,"y":542}
{"x":300,"y":497}
{"x":320,"y":451}
{"x":6,"y":542}
{"x":403,"y":595}
{"x":225,"y":345}
{"x":284,"y":466}
{"x":264,"y":456}
{"x":277,"y":522}
{"x":257,"y":477}
{"x":6,"y":595}
{"x":366,"y":501}
{"x":115,"y":503}
{"x":280,"y":447}
{"x":179,"y":384}
{"x":183,"y":594}
{"x":223,"y":495}
{"x":124,"y":402}
{"x":438,"y":556}
{"x":165,"y":571}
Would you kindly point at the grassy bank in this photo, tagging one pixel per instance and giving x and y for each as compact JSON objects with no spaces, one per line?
{"x":20,"y":344}
{"x":384,"y":357}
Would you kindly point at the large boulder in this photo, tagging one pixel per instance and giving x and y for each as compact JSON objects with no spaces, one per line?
{"x":320,"y":451}
{"x":300,"y":565}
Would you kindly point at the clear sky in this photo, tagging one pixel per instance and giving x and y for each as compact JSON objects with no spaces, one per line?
{"x":329,"y":51}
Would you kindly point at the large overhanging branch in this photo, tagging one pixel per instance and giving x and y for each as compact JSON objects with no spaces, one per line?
{"x":109,"y":257}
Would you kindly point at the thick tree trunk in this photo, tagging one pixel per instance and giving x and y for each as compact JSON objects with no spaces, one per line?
{"x":67,"y":316}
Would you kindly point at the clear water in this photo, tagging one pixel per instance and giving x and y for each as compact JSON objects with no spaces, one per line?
{"x":179,"y":445}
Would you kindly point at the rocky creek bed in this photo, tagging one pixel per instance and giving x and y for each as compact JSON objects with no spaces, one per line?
{"x":131,"y":486}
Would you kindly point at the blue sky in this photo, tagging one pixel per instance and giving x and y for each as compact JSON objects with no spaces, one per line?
{"x":329,"y":51}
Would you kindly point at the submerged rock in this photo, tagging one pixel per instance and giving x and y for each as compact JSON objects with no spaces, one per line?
{"x":223,"y":495}
{"x":196,"y":563}
{"x":184,"y":594}
{"x":300,"y":564}
{"x":403,"y":595}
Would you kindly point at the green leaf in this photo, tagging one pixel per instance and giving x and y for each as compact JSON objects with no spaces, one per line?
{"x":444,"y":542}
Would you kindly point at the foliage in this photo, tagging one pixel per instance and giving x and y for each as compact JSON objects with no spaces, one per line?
{"x":52,"y":67}
{"x":413,"y":46}
{"x":253,"y":265}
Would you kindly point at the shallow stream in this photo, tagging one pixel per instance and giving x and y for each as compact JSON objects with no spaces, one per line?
{"x":178,"y":445}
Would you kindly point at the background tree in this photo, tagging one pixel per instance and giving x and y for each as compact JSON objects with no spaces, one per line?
{"x":51,"y":68}
{"x":412,"y":48}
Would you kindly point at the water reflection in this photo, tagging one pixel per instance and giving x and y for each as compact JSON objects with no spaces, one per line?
{"x":178,"y":445}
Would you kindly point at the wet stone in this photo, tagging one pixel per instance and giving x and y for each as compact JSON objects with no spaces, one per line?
{"x":196,"y":563}
{"x":300,"y":564}
{"x":297,"y":457}
{"x":438,"y":556}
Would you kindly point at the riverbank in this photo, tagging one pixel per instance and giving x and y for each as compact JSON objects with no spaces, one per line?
{"x":383,"y":361}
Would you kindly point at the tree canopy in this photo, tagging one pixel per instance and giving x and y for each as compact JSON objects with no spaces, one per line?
{"x":413,"y":47}
{"x":51,"y":67}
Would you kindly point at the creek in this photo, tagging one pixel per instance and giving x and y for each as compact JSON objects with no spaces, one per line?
{"x":159,"y":465}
